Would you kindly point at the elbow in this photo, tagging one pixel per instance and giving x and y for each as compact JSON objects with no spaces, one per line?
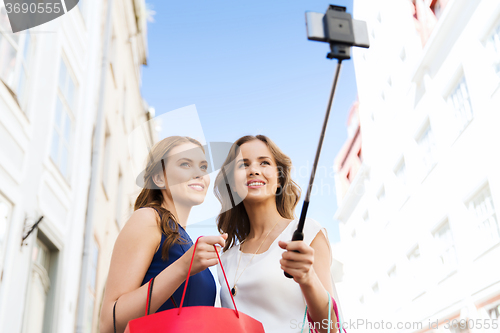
{"x":105,"y":325}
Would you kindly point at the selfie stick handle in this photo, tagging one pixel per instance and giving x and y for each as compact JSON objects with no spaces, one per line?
{"x":299,"y":233}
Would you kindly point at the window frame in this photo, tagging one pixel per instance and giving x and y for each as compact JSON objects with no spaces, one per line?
{"x":23,"y":46}
{"x":483,"y":234}
{"x":447,"y":248}
{"x":428,"y":148}
{"x":494,"y":35}
{"x":66,"y":117}
{"x":459,"y":104}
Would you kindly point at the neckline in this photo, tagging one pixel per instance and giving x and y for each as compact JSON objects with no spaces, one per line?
{"x":270,"y":246}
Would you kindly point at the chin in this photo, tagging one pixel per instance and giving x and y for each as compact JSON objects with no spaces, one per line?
{"x":197,"y":199}
{"x":258,"y":197}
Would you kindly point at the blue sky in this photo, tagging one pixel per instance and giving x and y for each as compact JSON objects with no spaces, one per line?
{"x":249,"y":69}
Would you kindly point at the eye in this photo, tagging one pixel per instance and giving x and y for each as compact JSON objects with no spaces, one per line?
{"x":265,"y":162}
{"x":204,"y":167}
{"x":185,"y":165}
{"x":242,"y":165}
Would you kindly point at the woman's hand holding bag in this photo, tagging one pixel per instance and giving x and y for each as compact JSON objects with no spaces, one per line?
{"x":195,"y":318}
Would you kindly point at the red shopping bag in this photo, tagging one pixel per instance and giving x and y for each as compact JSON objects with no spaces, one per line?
{"x":195,"y":318}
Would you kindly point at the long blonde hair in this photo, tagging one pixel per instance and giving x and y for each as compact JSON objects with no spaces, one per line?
{"x":152,"y":196}
{"x":233,"y":218}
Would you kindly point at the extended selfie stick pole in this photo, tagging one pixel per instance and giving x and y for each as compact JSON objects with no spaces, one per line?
{"x":337,"y":28}
{"x":299,"y":233}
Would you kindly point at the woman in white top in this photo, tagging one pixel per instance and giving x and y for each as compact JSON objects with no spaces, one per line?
{"x":258,"y":216}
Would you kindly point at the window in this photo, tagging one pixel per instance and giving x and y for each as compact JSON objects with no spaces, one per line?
{"x":493,"y":47}
{"x":402,"y":55}
{"x":63,"y":120}
{"x":427,"y":145}
{"x":366,"y":218}
{"x":375,"y":25}
{"x":14,"y":58}
{"x":445,"y":246}
{"x":414,"y":259}
{"x":494,"y":313}
{"x":93,"y":267}
{"x":419,"y":93}
{"x":393,"y":273}
{"x":119,"y":201}
{"x":400,"y":171}
{"x":113,"y":56}
{"x":437,"y":7}
{"x":381,"y":194}
{"x":459,"y":101}
{"x":386,"y":89}
{"x":124,"y":108}
{"x":483,"y":212}
{"x":39,"y":288}
{"x":414,"y":255}
{"x":107,"y":161}
{"x":375,"y":288}
{"x":5,"y":212}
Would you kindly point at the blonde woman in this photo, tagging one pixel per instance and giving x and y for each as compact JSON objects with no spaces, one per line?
{"x":154,"y":242}
{"x":258,"y":198}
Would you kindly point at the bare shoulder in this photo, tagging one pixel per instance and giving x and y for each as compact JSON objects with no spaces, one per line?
{"x":313,"y":231}
{"x":133,"y":251}
{"x":323,"y":258}
{"x":142,"y":227}
{"x":320,"y":241}
{"x":144,"y":217}
{"x":132,"y":254}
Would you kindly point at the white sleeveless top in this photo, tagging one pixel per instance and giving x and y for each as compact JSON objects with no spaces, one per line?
{"x":263,"y":291}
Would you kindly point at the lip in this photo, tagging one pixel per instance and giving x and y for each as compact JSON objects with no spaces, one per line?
{"x":253,"y":181}
{"x":192,"y":186}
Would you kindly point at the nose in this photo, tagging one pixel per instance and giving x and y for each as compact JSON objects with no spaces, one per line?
{"x":198,"y":173}
{"x":253,"y":170}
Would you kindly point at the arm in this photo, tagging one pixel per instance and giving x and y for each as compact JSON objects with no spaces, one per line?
{"x":311,"y":270}
{"x":134,"y":249}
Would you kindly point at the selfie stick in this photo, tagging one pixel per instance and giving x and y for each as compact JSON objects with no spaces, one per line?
{"x":337,"y":28}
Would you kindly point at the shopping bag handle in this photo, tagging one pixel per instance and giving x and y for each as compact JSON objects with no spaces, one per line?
{"x":189,"y":273}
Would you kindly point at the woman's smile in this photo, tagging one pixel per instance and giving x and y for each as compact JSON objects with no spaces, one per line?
{"x":197,"y":187}
{"x":255,"y":183}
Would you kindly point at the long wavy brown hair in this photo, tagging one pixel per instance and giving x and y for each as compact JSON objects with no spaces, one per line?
{"x":233,"y":218}
{"x":152,"y":196}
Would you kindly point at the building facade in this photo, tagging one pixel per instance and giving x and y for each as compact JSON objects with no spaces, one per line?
{"x":348,"y":161}
{"x":49,"y":96}
{"x":113,"y":186}
{"x":420,"y":230}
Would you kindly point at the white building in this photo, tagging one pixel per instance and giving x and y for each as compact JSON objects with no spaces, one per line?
{"x":113,"y":188}
{"x":420,"y":228}
{"x":49,"y":97}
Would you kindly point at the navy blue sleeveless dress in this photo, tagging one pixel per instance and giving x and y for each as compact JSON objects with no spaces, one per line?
{"x":201,"y":288}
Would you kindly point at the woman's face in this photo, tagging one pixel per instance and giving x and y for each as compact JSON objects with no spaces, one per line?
{"x":187,"y":177}
{"x":256,"y":172}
